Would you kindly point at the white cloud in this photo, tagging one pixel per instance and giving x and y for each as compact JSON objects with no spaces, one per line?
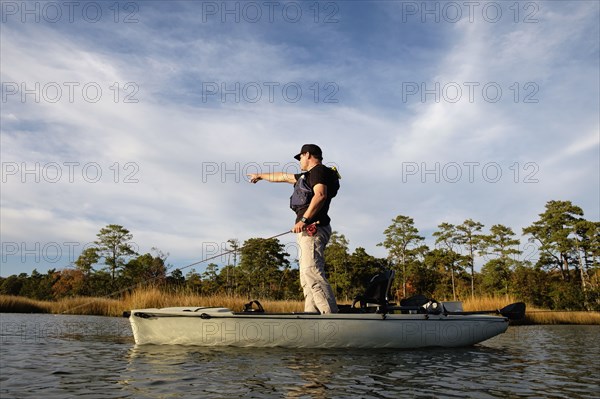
{"x":188,"y":156}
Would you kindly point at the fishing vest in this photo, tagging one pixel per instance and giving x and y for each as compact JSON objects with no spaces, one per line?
{"x":303,"y":192}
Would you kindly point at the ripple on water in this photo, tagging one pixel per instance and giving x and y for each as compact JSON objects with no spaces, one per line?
{"x":59,"y":356}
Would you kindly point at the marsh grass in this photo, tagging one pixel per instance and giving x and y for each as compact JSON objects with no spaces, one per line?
{"x":487,"y":303}
{"x":153,"y":297}
{"x":137,"y":299}
{"x":19,"y":304}
{"x":533,"y":315}
{"x":540,"y":316}
{"x":88,"y":306}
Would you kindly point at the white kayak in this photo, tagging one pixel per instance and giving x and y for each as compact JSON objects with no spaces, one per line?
{"x":417,"y":323}
{"x":210,"y":326}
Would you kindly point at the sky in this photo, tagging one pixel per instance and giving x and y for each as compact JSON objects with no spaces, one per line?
{"x":149,"y":114}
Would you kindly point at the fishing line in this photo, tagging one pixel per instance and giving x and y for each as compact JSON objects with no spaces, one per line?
{"x":230,"y":251}
{"x":140,"y":284}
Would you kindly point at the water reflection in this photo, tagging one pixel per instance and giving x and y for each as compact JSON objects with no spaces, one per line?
{"x":318,"y":373}
{"x":63,"y":356}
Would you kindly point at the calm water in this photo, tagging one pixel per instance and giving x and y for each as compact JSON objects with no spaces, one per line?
{"x":53,"y":356}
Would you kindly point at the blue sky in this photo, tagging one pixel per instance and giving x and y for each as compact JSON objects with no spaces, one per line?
{"x":149,"y":117}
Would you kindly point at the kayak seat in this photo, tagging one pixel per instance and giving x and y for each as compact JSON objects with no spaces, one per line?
{"x":248,"y":308}
{"x":376,"y":293}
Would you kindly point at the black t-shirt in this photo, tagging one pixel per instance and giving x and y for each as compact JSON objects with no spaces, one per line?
{"x":317,"y":175}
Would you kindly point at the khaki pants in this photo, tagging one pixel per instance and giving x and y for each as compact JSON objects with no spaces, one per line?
{"x":317,"y":291}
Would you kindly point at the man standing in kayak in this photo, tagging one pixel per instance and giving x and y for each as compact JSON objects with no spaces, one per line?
{"x":313,"y":190}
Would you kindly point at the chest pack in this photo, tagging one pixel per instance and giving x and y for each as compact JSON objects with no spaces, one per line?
{"x":303,"y":192}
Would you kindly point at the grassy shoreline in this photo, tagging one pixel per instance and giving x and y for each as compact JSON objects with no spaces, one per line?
{"x":154,"y":298}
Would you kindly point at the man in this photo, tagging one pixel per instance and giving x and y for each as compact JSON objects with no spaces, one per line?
{"x":313,"y":190}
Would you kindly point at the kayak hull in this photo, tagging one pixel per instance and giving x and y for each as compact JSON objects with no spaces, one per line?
{"x":222,"y":327}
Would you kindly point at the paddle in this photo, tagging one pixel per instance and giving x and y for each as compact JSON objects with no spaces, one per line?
{"x":514,"y":311}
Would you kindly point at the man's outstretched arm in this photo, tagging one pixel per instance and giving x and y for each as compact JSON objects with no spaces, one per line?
{"x":275,"y":177}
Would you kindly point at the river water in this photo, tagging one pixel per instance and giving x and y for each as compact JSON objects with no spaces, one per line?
{"x":58,"y":356}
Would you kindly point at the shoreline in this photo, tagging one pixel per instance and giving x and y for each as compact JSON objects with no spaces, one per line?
{"x":153,"y":298}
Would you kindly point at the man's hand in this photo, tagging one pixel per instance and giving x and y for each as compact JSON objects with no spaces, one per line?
{"x":311,"y":229}
{"x":254,"y":177}
{"x":298,"y":227}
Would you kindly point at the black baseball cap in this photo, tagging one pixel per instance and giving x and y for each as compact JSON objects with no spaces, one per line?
{"x":312,"y":149}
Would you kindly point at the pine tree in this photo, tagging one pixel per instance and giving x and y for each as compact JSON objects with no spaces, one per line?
{"x":114,"y":244}
{"x":401,"y":236}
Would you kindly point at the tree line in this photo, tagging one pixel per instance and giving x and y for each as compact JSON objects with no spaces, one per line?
{"x":564,"y":275}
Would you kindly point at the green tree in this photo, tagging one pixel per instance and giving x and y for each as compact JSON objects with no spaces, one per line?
{"x":361,"y":269}
{"x":229,"y":273}
{"x":39,"y":286}
{"x":501,"y":244}
{"x":586,"y":239}
{"x":552,"y":232}
{"x":193,"y":282}
{"x":449,"y":239}
{"x":86,"y":260}
{"x":261,"y":266}
{"x":100,"y":283}
{"x":469,"y":237}
{"x":176,"y":279}
{"x":495,"y":276}
{"x":143,"y":270}
{"x":234,"y":247}
{"x":114,"y":245}
{"x":13,"y":284}
{"x":418,"y":272}
{"x":227,"y":276}
{"x":85,"y":265}
{"x":400,"y":237}
{"x":532,"y":285}
{"x":337,"y":264}
{"x":290,"y":287}
{"x":440,"y":267}
{"x":210,"y":279}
